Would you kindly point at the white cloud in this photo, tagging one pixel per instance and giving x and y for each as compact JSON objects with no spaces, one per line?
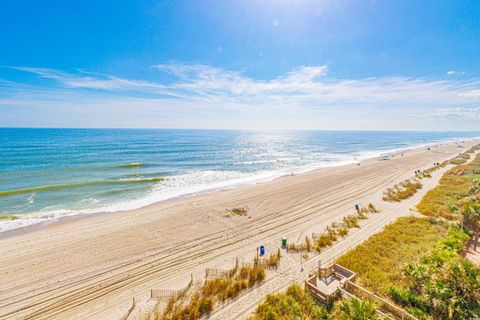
{"x":459,"y":112}
{"x":472,"y":93}
{"x":455,"y":73}
{"x":306,"y":91}
{"x":86,"y":80}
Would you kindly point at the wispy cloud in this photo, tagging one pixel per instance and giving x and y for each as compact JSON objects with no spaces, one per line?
{"x":463,"y":113}
{"x":308,"y":89}
{"x":85,"y":80}
{"x":475,"y":93}
{"x":455,"y":73}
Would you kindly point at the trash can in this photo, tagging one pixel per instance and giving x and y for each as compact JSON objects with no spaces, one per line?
{"x":284,"y":242}
{"x":262,"y":250}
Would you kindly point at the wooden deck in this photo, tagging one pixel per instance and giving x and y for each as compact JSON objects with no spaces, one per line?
{"x":328,"y":283}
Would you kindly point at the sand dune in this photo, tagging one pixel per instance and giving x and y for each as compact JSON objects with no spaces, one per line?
{"x":91,"y":268}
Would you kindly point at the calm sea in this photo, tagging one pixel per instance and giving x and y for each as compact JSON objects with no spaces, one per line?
{"x":48,"y":173}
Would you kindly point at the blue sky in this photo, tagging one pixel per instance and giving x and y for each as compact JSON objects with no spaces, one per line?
{"x":284,"y":64}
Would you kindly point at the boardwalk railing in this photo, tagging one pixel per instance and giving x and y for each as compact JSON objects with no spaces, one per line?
{"x":318,"y":293}
{"x":383,"y":304}
{"x":348,"y":287}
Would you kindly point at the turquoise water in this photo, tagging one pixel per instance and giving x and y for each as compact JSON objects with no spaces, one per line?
{"x":47,"y":173}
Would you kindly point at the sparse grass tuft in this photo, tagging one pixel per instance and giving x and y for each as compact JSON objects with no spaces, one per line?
{"x":273,"y":260}
{"x":237,"y":212}
{"x":402,"y":191}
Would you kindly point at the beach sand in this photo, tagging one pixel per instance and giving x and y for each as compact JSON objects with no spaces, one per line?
{"x":91,"y":268}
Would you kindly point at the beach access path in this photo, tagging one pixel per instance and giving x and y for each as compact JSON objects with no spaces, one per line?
{"x":91,"y":268}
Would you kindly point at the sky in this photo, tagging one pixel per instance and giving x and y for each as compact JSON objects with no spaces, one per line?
{"x":246,"y":64}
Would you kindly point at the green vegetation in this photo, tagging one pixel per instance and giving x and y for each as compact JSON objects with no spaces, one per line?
{"x":354,"y":309}
{"x":442,"y":284}
{"x":415,"y":262}
{"x":455,"y":185}
{"x":379,"y":259}
{"x":5,"y":217}
{"x":471,"y":214}
{"x":295,"y":303}
{"x":402,"y":191}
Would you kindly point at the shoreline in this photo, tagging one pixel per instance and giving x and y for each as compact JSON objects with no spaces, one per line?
{"x":65,"y":219}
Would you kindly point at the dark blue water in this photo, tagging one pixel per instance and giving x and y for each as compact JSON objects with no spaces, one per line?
{"x":46,"y":173}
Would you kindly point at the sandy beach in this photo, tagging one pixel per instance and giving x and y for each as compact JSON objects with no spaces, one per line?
{"x":90,"y":268}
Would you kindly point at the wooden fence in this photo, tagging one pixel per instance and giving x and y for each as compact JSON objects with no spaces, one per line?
{"x":318,"y":293}
{"x":129,"y":311}
{"x":211,"y":273}
{"x":164,"y":294}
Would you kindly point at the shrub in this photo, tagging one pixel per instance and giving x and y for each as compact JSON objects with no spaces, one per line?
{"x":353,"y":308}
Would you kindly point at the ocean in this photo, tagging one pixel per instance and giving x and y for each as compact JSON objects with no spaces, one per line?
{"x":49,"y":173}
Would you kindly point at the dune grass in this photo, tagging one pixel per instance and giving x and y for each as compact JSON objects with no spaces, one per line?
{"x":454,"y":185}
{"x":402,"y":191}
{"x":237,"y":212}
{"x":333,"y":231}
{"x":427,"y":173}
{"x":199,"y":302}
{"x":379,"y":260}
{"x":370,"y":208}
{"x":417,"y":263}
{"x":463,"y":157}
{"x":295,"y":303}
{"x":272,"y":261}
{"x":460,"y":159}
